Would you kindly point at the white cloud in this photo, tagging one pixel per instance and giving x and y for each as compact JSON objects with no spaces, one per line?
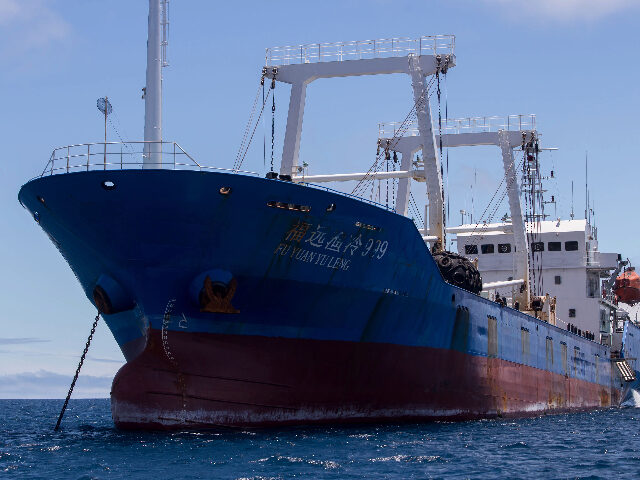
{"x":20,"y":341}
{"x":30,"y":25}
{"x":45,"y":384}
{"x":565,"y":9}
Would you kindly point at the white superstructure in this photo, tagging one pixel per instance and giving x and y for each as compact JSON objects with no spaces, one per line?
{"x":565,"y":261}
{"x":418,"y":58}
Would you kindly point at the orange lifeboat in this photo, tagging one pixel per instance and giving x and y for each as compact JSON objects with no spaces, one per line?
{"x":627,"y":287}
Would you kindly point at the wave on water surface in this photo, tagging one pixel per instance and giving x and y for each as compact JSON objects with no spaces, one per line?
{"x":577,"y":445}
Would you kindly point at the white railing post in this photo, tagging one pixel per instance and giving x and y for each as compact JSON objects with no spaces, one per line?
{"x":88,"y":156}
{"x":67,"y":159}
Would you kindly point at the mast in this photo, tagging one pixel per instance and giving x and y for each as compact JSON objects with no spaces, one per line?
{"x":572,"y":214}
{"x":153,"y":89}
{"x":586,"y":185}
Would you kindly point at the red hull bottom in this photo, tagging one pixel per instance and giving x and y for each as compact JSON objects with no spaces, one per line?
{"x":205,"y":380}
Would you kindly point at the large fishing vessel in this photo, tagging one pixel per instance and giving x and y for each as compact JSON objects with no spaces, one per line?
{"x":241,"y":300}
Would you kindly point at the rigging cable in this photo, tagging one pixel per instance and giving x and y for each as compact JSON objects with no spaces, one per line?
{"x":250,"y":121}
{"x":415,"y":205}
{"x":495,"y":208}
{"x":264,"y":133}
{"x":273,"y":118}
{"x":442,"y":193}
{"x":238,"y":163}
{"x":396,"y":137}
{"x":446,"y":124}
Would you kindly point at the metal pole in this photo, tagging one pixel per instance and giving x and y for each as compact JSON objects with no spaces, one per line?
{"x":153,"y":94}
{"x":106,"y":103}
{"x":67,"y":159}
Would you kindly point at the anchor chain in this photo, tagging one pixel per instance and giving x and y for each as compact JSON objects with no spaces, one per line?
{"x":75,"y":377}
{"x":164,"y":334}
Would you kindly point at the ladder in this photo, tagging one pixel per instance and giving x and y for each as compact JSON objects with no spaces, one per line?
{"x":626,"y":372}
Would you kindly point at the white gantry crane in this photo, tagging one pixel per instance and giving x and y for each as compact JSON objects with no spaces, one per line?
{"x":418,"y":58}
{"x":506,"y":133}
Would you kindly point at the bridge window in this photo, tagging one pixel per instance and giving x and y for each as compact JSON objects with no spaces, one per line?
{"x":487,"y":248}
{"x":471,"y":249}
{"x":504,"y":247}
{"x":537,"y":247}
{"x":555,"y":246}
{"x":571,"y":246}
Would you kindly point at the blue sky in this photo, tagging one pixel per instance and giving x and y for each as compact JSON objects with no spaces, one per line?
{"x":574,"y":63}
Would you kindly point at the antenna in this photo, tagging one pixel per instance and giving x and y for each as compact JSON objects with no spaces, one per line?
{"x":586,"y":184}
{"x":572,"y":214}
{"x":105,"y":107}
{"x":474,"y":187}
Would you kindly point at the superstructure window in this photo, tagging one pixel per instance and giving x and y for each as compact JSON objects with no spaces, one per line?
{"x":554,"y":246}
{"x":558,"y":279}
{"x":487,"y":248}
{"x":537,"y":247}
{"x":572,"y":312}
{"x":504,"y":247}
{"x":471,"y":249}
{"x":571,"y":246}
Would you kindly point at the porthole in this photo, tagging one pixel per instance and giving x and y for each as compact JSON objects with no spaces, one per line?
{"x":108,"y":185}
{"x":225,"y":190}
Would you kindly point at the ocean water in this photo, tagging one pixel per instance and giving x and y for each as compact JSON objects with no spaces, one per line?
{"x":599,"y":444}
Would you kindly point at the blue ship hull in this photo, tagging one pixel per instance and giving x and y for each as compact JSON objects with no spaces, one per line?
{"x":242,"y":301}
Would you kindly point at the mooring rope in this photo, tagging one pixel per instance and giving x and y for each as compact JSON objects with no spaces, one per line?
{"x":75,"y":377}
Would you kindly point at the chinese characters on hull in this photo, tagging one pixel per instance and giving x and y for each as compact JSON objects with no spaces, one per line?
{"x":328,"y":248}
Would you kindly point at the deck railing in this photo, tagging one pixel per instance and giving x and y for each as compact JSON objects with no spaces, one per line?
{"x":121,"y":156}
{"x":523,"y":122}
{"x":360,"y":49}
{"x":84,"y":157}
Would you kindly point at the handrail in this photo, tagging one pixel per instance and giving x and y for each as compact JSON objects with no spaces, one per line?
{"x":121,"y":155}
{"x":518,"y":122}
{"x":359,"y":49}
{"x":100,"y":155}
